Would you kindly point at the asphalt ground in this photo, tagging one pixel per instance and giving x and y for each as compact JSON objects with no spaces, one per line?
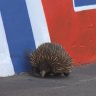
{"x":81,"y":82}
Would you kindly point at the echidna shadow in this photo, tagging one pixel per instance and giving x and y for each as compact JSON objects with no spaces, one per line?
{"x":51,"y":59}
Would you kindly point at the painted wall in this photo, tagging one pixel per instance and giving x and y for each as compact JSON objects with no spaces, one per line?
{"x":72,"y":23}
{"x":25,"y":24}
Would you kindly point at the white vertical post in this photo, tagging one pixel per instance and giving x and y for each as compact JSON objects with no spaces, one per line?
{"x":6,"y":66}
{"x":38,"y":21}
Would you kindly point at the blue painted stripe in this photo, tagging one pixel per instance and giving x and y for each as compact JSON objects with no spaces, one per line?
{"x":84,"y":2}
{"x":18,"y":31}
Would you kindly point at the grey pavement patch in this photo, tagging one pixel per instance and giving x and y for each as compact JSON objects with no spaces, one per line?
{"x":82,"y":82}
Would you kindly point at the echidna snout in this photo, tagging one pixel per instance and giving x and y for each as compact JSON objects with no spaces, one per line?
{"x":42,"y":73}
{"x":44,"y":69}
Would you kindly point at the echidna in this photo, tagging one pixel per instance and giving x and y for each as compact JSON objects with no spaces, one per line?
{"x":51,"y":58}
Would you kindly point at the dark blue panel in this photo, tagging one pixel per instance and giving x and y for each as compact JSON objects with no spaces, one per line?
{"x":18,"y":31}
{"x":84,"y":2}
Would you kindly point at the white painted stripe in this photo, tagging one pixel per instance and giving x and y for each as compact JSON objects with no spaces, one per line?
{"x":6,"y":66}
{"x":82,"y":8}
{"x":38,"y":21}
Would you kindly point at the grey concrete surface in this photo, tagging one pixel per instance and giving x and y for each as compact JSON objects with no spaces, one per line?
{"x":81,"y":82}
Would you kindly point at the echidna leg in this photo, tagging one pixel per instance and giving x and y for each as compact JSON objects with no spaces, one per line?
{"x":62,"y":74}
{"x":35,"y":70}
{"x":57,"y":74}
{"x":66,"y":74}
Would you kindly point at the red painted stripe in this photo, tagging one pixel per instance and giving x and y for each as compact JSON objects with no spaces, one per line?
{"x":76,"y":31}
